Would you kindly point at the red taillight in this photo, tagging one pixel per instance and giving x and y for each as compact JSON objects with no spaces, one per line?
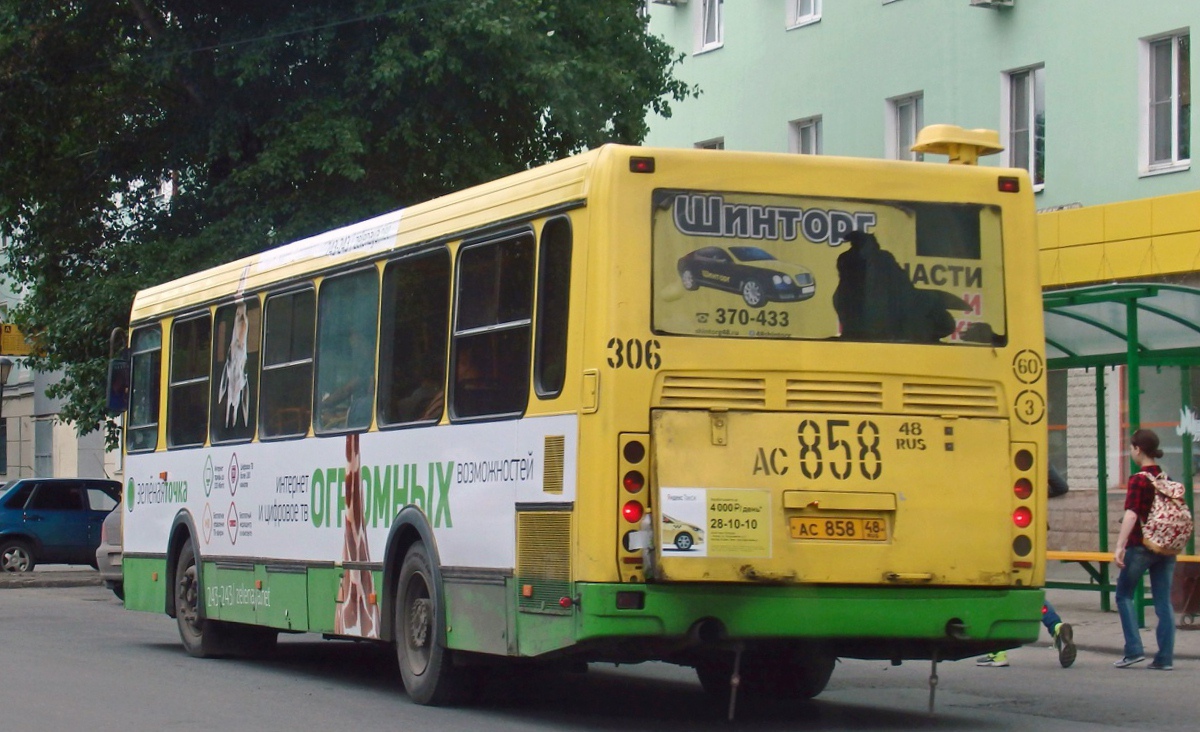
{"x":1023,"y":488}
{"x":1008,"y":185}
{"x":632,"y":511}
{"x":634,"y":481}
{"x":1022,"y":517}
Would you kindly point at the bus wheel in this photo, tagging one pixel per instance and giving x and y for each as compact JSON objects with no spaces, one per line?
{"x":426,"y":666}
{"x":201,"y":638}
{"x":683,"y":541}
{"x":754,"y":294}
{"x":802,"y":677}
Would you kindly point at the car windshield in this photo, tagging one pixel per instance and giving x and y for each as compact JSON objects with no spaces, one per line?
{"x":751,"y":254}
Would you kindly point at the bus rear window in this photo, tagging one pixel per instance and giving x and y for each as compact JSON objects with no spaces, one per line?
{"x":761,"y":266}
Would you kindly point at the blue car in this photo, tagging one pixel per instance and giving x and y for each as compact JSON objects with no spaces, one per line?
{"x":53,"y":520}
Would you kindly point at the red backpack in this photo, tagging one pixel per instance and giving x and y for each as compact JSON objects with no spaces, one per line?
{"x":1169,"y":525}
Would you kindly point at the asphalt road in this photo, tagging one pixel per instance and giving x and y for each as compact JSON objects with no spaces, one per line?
{"x":73,"y":658}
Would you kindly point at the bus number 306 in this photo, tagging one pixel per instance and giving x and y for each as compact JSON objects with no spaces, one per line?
{"x":840,"y":446}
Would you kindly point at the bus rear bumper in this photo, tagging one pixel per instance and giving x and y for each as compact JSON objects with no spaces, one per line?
{"x":853,"y":622}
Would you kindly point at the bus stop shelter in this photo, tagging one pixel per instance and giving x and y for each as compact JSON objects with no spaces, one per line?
{"x":1131,"y":324}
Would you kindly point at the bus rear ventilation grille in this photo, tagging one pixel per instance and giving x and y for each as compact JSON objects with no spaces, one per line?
{"x":977,"y":400}
{"x":828,"y":395}
{"x":712,"y":391}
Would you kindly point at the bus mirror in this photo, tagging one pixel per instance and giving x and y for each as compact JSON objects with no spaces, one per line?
{"x":118,"y":385}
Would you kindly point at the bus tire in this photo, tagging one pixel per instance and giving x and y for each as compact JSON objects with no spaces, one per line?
{"x":791,"y":676}
{"x":201,"y":638}
{"x":426,"y":666}
{"x":803,"y":677}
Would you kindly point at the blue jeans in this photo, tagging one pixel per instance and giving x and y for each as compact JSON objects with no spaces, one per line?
{"x":1050,"y":618}
{"x":1139,"y":560}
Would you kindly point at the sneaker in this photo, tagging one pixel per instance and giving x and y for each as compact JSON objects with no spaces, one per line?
{"x":994,"y":660}
{"x":1160,"y":666}
{"x":1128,"y":661}
{"x":1064,"y":641}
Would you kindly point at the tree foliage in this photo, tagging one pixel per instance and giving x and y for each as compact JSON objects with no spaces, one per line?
{"x":274,"y":120}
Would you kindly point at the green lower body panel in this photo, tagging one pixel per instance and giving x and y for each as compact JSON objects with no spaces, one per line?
{"x":145,"y":583}
{"x":884,"y":622}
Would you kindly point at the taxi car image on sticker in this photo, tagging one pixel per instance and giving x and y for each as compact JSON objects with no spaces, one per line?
{"x":749,"y":271}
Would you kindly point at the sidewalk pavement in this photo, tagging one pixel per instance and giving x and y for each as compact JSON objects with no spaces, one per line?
{"x":53,"y":575}
{"x":1095,"y":630}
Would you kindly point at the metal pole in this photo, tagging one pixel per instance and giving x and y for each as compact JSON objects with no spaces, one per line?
{"x":1102,"y":477}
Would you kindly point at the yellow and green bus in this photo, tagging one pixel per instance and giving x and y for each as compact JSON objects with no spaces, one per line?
{"x":706,"y":407}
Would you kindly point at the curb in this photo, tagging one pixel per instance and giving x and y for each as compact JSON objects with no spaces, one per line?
{"x":50,"y":579}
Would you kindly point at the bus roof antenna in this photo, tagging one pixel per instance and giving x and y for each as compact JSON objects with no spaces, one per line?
{"x":962,"y":146}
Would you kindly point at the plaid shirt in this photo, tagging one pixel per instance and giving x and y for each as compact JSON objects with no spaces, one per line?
{"x":1139,"y":496}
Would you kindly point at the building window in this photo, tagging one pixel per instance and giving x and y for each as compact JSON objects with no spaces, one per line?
{"x":1167,"y":102}
{"x":711,"y":28}
{"x":803,"y":12}
{"x":805,"y":136}
{"x":905,"y":119}
{"x":717,"y":143}
{"x":1026,"y":122}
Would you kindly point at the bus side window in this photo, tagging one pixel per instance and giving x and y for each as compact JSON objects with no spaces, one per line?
{"x":492,"y":329}
{"x":187,"y":393}
{"x":145,"y":355}
{"x":347,"y":327}
{"x":415,"y":318}
{"x":236,"y":342}
{"x":553,"y":308}
{"x":286,"y":391}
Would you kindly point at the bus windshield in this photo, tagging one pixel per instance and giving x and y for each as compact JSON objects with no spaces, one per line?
{"x":765,"y":266}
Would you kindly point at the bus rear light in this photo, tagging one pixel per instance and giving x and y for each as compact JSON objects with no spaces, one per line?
{"x":1022,"y":565}
{"x":632,"y":560}
{"x":1023,"y":460}
{"x":1022,"y":517}
{"x":1006,"y":184}
{"x":1022,"y":545}
{"x":632,"y":511}
{"x":641,"y":165}
{"x":634,"y":481}
{"x":634,"y":451}
{"x":1023,"y":488}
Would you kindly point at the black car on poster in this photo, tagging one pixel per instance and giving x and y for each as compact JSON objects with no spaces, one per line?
{"x":749,"y":271}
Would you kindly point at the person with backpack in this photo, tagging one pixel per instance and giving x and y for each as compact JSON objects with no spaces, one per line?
{"x":1135,"y":559}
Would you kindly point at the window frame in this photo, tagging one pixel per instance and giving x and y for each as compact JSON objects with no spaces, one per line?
{"x":253,"y":372}
{"x":1147,"y":103}
{"x":305,"y":399}
{"x":155,"y":383}
{"x":897,"y":148}
{"x":177,"y":386}
{"x":319,"y":354}
{"x":387,"y":358}
{"x":796,"y":135}
{"x":460,"y":334}
{"x":798,"y":18}
{"x":1034,"y":102}
{"x":548,"y":286}
{"x":708,"y":13}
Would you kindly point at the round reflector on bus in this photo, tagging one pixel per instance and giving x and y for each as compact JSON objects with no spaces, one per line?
{"x":633,"y":481}
{"x":1022,"y":517}
{"x":632,"y":511}
{"x":1023,"y":488}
